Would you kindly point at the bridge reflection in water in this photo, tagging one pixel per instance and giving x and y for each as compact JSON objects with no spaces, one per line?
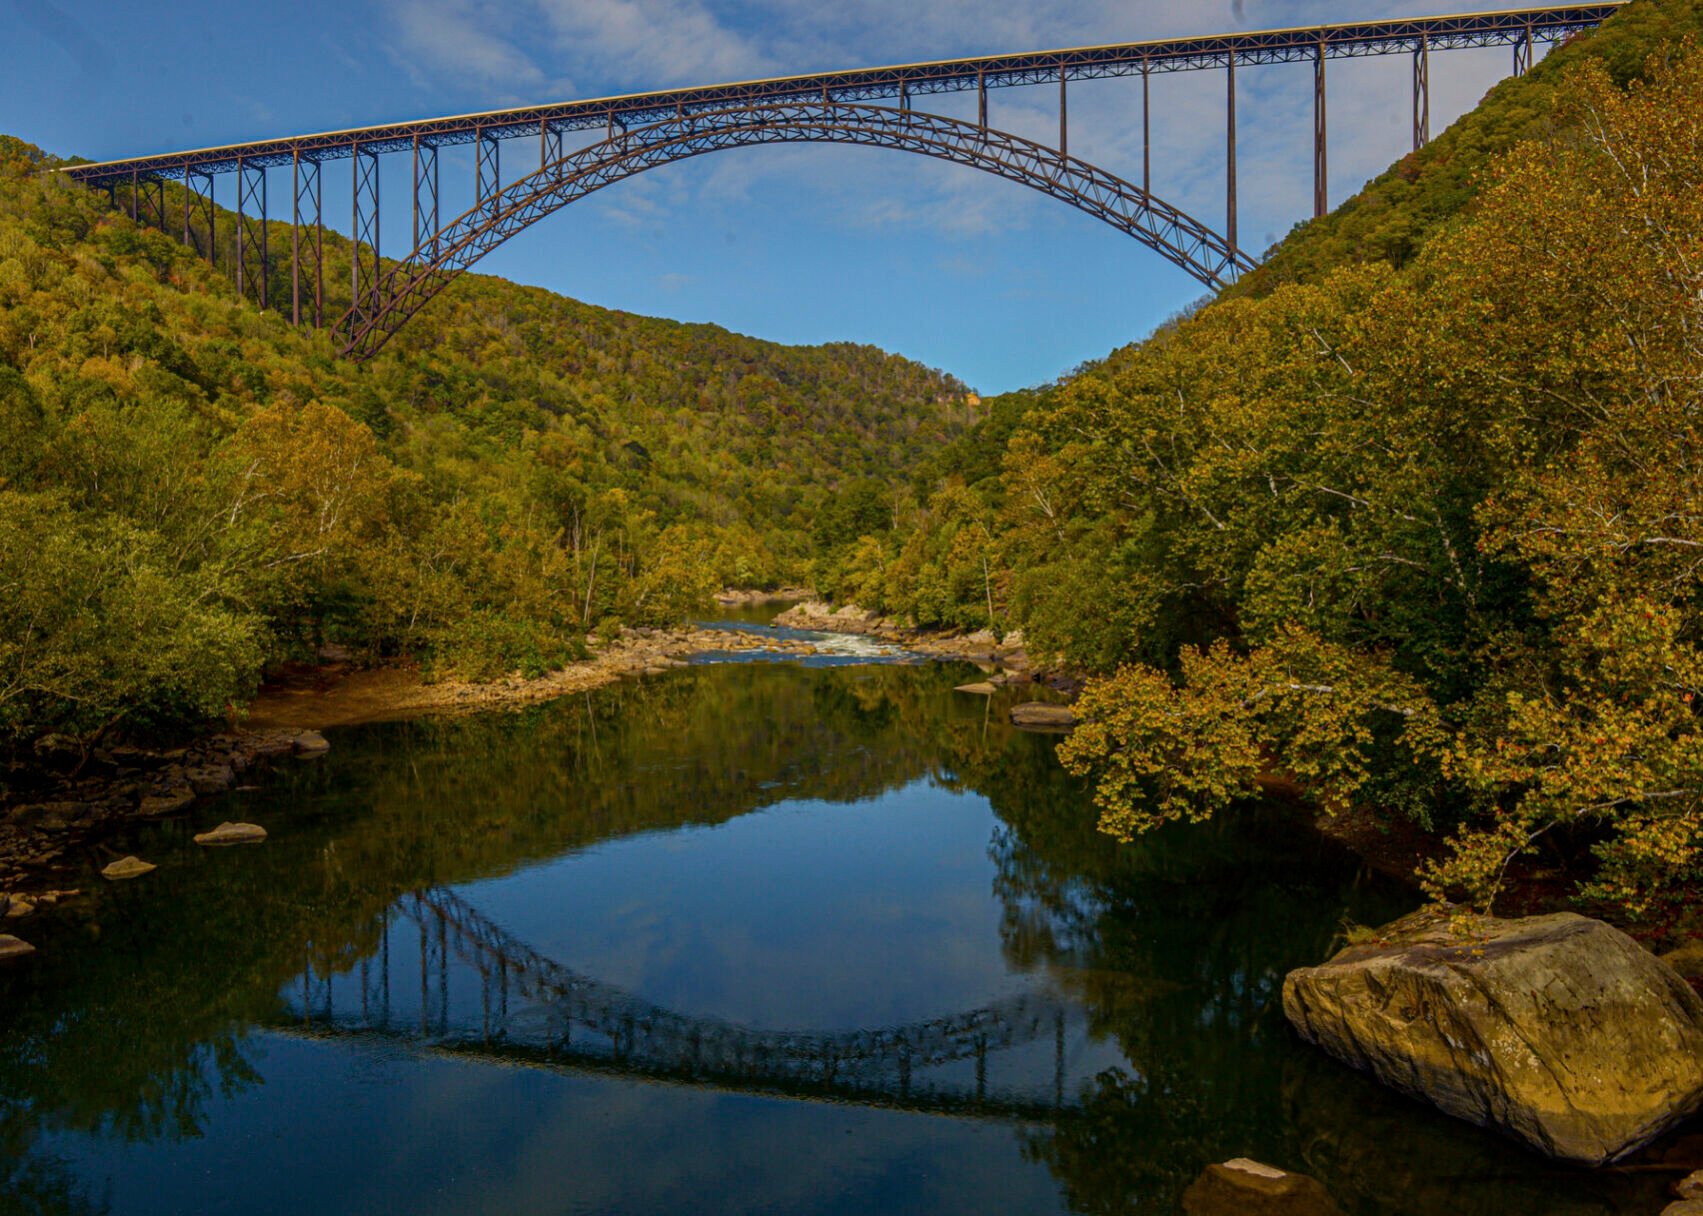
{"x":445,"y":980}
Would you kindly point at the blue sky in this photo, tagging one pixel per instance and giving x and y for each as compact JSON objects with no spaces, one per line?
{"x":965,"y":272}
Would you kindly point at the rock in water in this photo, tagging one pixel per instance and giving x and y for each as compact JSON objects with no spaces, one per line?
{"x":1557,"y":1030}
{"x":233,"y":833}
{"x":310,"y":743}
{"x":980,"y":689}
{"x":14,"y":948}
{"x":127,"y":867}
{"x":1040,"y":715}
{"x":168,"y":803}
{"x":1248,"y":1188}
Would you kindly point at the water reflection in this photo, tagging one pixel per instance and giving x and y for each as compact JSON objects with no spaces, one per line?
{"x":736,"y":937}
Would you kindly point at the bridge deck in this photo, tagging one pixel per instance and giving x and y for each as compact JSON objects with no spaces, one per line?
{"x":1505,"y":28}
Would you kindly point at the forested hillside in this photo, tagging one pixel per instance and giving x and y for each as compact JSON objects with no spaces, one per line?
{"x":190,"y":489}
{"x":1413,"y":520}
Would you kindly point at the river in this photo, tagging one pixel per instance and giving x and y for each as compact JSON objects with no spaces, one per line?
{"x":820,"y":937}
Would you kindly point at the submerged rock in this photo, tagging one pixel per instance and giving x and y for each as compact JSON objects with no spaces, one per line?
{"x":14,"y":948}
{"x":1042,"y":715}
{"x":980,"y":689}
{"x":1559,"y":1031}
{"x":310,"y":743}
{"x":1248,"y":1188}
{"x":127,"y":867}
{"x":168,"y":803}
{"x":1687,"y":960}
{"x":210,"y":778}
{"x":233,"y":833}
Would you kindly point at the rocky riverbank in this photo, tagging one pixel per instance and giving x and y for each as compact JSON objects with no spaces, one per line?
{"x":736,"y":598}
{"x":97,"y":793}
{"x":112,"y":786}
{"x":1009,"y":654}
{"x":337,"y":695}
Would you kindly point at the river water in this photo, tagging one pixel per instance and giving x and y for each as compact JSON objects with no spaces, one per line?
{"x":748,"y":937}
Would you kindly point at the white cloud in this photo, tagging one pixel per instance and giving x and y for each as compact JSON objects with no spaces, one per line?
{"x":467,"y":38}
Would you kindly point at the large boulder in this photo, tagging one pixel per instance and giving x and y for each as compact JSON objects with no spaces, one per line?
{"x":1557,"y":1030}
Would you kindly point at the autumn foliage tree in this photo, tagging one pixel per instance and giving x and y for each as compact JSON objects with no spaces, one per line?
{"x":1447,"y":519}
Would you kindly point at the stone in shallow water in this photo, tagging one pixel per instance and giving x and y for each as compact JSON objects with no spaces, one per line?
{"x":1042,"y":715}
{"x":210,"y":778}
{"x":168,"y":803}
{"x":1557,"y":1030}
{"x":127,"y":867}
{"x":310,"y":743}
{"x":980,"y":689}
{"x":14,"y":948}
{"x":233,"y":833}
{"x":1249,"y":1188}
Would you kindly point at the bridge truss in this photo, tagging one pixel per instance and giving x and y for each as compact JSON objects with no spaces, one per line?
{"x":642,"y":130}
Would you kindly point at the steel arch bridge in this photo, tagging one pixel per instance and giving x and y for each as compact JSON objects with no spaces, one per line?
{"x":643,"y":131}
{"x":404,"y":289}
{"x":482,"y":994}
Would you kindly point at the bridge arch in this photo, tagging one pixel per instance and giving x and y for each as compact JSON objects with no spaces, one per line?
{"x":405,"y":288}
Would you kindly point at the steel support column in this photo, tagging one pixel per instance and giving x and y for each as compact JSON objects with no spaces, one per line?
{"x":364,"y":170}
{"x":1422,"y":94}
{"x":149,"y":194}
{"x":251,"y":232}
{"x":426,"y":196}
{"x":1146,"y":133}
{"x":1523,"y":57}
{"x":1063,"y":113}
{"x":487,"y":168}
{"x":134,"y":182}
{"x":305,"y":188}
{"x":982,"y":101}
{"x":1230,"y":153}
{"x":198,"y":205}
{"x":1321,"y":168}
{"x":549,"y":146}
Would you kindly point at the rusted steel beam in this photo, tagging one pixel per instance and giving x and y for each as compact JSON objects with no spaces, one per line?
{"x":1230,"y":152}
{"x":1321,"y":169}
{"x":1422,"y":95}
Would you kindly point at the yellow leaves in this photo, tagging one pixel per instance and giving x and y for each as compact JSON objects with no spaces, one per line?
{"x":1162,"y":752}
